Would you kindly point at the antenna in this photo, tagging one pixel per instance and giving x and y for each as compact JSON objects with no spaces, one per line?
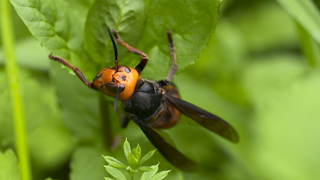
{"x":114,"y":48}
{"x":116,"y":66}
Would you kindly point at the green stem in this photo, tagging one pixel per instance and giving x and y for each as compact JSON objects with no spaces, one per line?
{"x":12,"y":76}
{"x":105,"y":120}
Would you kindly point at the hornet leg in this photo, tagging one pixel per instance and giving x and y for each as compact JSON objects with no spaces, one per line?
{"x":144,"y":59}
{"x":173,"y":58}
{"x":75,"y":70}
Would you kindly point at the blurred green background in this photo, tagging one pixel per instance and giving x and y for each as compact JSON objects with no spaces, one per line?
{"x":259,"y":71}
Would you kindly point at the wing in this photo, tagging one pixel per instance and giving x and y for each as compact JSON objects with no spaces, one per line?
{"x":167,"y":149}
{"x":204,"y":118}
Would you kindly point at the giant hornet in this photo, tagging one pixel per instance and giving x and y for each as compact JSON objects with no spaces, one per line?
{"x":152,"y":105}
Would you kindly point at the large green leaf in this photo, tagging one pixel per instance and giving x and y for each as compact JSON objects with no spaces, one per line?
{"x":144,"y":26}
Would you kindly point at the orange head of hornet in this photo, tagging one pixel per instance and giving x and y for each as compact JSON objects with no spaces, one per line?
{"x":118,"y":82}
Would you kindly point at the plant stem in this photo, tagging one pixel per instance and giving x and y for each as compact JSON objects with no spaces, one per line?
{"x":12,"y":76}
{"x":105,"y":120}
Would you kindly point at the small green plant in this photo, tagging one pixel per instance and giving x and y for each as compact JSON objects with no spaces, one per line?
{"x":134,"y":165}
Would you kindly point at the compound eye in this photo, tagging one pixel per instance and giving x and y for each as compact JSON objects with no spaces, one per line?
{"x":127,"y":70}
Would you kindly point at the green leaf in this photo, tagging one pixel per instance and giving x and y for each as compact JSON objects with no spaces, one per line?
{"x":132,"y":161}
{"x":127,"y":149}
{"x":34,"y":15}
{"x":149,"y":174}
{"x":145,"y":168}
{"x":86,"y":163}
{"x":58,"y":29}
{"x":160,"y":175}
{"x":9,"y":166}
{"x":306,"y":13}
{"x":136,"y":152}
{"x":115,"y":173}
{"x":146,"y":157}
{"x":114,"y":162}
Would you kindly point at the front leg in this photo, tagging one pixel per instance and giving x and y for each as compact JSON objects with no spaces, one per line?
{"x":144,"y":59}
{"x":75,"y":70}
